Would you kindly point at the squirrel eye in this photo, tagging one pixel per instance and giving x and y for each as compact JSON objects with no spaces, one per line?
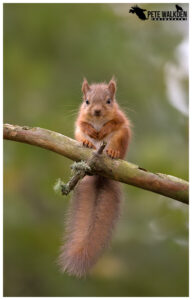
{"x":87,"y":102}
{"x":108,"y":101}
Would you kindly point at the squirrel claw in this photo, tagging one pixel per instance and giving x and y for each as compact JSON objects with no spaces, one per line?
{"x":113,"y":153}
{"x":88,"y":144}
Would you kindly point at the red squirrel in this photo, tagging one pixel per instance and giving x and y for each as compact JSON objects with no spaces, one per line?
{"x":96,"y":200}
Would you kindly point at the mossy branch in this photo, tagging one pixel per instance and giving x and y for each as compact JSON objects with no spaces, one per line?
{"x":80,"y":169}
{"x":117,"y":169}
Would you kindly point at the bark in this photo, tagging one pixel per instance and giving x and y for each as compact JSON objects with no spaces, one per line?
{"x":115,"y":169}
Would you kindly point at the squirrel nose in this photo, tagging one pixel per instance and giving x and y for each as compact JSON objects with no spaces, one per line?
{"x":97,"y":112}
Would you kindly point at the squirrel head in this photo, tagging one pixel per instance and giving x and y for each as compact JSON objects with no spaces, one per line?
{"x":99,"y":100}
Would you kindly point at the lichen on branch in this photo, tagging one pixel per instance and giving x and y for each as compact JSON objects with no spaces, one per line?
{"x":80,"y":169}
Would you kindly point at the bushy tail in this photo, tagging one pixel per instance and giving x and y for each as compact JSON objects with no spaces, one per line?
{"x":92,"y":216}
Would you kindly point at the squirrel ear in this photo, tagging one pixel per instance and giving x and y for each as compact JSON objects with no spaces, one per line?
{"x":112,"y":87}
{"x":85,"y":86}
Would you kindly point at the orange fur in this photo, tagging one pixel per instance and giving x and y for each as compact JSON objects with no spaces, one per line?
{"x":88,"y":129}
{"x":93,"y":214}
{"x":96,"y":200}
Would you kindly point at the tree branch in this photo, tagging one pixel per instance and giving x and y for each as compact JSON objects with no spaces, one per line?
{"x":117,"y":169}
{"x":81,"y":169}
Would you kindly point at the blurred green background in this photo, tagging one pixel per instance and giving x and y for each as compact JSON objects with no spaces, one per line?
{"x":48,"y":49}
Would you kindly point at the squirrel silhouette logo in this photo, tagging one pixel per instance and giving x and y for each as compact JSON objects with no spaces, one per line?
{"x":139,"y":12}
{"x":179,"y":8}
{"x":176,"y":14}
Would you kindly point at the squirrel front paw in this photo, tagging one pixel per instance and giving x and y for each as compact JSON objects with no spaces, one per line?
{"x":88,"y":144}
{"x":113,"y":153}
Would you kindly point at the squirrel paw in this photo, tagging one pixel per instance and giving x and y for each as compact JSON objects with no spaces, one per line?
{"x":88,"y":144}
{"x":113,"y":153}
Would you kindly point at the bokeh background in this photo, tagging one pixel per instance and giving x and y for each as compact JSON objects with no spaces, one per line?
{"x":48,"y":49}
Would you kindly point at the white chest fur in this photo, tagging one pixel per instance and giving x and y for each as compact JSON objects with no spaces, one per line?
{"x":97,"y":143}
{"x":97,"y":125}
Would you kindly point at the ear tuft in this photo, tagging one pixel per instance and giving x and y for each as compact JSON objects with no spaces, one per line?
{"x":112,"y":86}
{"x":85,"y":86}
